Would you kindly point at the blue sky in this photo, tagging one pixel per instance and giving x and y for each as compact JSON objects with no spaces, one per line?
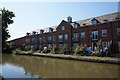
{"x":36,"y":15}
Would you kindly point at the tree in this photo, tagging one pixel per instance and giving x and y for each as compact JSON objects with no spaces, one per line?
{"x":6,"y":20}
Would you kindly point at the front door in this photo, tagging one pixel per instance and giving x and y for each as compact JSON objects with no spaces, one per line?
{"x":94,"y":45}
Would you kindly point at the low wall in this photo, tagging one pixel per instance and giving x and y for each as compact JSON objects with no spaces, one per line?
{"x":110,"y":60}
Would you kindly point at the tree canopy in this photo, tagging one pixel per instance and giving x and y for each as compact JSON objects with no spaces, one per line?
{"x":6,"y":20}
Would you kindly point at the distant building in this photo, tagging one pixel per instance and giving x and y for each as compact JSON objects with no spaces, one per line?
{"x":72,"y":33}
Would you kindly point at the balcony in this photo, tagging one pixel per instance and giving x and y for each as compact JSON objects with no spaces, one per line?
{"x":76,"y":39}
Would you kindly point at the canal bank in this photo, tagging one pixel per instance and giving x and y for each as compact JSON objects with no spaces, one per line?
{"x":110,"y":60}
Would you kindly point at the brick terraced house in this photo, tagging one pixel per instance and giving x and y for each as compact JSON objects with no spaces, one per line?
{"x":72,"y":33}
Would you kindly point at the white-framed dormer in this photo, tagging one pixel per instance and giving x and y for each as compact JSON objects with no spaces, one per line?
{"x":94,"y":21}
{"x":41,"y":31}
{"x":27,"y":34}
{"x":33,"y":33}
{"x":50,"y":29}
{"x":75,"y":25}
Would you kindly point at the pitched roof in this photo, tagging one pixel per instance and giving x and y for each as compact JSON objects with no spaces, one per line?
{"x":82,"y":23}
{"x":45,"y":30}
{"x":101,"y":19}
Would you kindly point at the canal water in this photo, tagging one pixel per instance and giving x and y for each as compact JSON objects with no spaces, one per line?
{"x":18,"y":66}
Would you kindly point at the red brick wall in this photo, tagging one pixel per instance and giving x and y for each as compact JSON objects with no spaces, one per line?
{"x":111,"y":34}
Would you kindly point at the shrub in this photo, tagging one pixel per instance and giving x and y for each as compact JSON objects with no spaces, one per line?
{"x":32,"y":49}
{"x":77,"y":50}
{"x":81,"y":48}
{"x":46,"y":51}
{"x":64,"y":49}
{"x":16,"y":51}
{"x":95,"y":53}
{"x":53,"y":50}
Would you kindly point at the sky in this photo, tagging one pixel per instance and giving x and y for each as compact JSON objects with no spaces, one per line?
{"x":31,"y":16}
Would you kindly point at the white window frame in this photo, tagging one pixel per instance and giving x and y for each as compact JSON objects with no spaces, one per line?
{"x":83,"y":36}
{"x":75,"y":44}
{"x":94,"y":21}
{"x":95,"y":32}
{"x":60,"y":45}
{"x":104,"y":46}
{"x":40,"y":39}
{"x":44,"y":39}
{"x":54,"y":38}
{"x":61,"y":36}
{"x":63,"y":27}
{"x":49,"y":46}
{"x":50,"y":30}
{"x":75,"y":25}
{"x":104,"y":31}
{"x":76,"y":35}
{"x":41,"y":31}
{"x":35,"y":39}
{"x":118,"y":31}
{"x":66,"y":36}
{"x":40,"y":46}
{"x":50,"y":38}
{"x":119,"y":46}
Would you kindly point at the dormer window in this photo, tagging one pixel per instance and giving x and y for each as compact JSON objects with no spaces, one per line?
{"x":84,"y":24}
{"x":50,"y":29}
{"x":63,"y":27}
{"x":33,"y":33}
{"x":41,"y":31}
{"x":105,"y":20}
{"x":94,"y":21}
{"x":27,"y":34}
{"x":117,"y":18}
{"x":75,"y":25}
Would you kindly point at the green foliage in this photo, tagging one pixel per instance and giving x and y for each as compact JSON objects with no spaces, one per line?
{"x":53,"y":50}
{"x":99,"y":45}
{"x":17,"y":51}
{"x":6,"y":20}
{"x":45,"y":51}
{"x":9,"y":47}
{"x":95,"y":53}
{"x":77,"y":50}
{"x":64,"y":49}
{"x":32,"y":49}
{"x":81,"y":48}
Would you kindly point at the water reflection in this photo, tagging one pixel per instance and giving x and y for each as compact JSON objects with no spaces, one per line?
{"x":32,"y":66}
